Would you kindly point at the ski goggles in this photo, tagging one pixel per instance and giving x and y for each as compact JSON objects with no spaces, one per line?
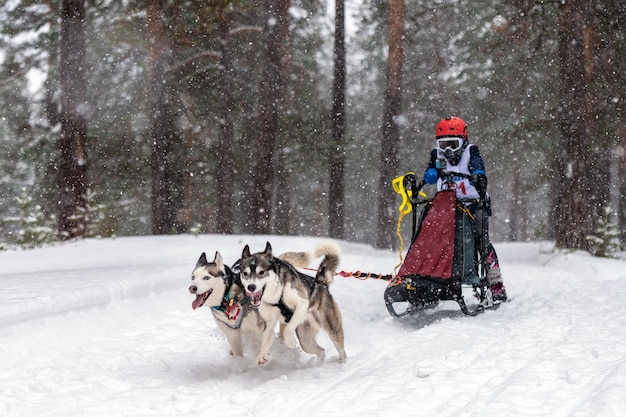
{"x":452,"y":143}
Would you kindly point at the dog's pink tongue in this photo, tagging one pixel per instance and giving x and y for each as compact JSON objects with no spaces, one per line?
{"x":197,"y":302}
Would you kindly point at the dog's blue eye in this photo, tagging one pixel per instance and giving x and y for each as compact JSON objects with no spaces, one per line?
{"x":206,"y":278}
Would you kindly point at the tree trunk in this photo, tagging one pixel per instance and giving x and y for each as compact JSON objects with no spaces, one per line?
{"x":599,"y":160}
{"x":282,"y":208}
{"x":621,"y":186}
{"x":271,"y":95}
{"x":72,"y":168}
{"x":515,"y":223}
{"x":572,"y":199}
{"x":391,"y":131}
{"x":337,"y":158}
{"x":166,"y":189}
{"x":225,"y":159}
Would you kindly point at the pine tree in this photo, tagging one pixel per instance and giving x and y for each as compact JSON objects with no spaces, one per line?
{"x":33,"y":229}
{"x":605,"y":243}
{"x":91,"y":217}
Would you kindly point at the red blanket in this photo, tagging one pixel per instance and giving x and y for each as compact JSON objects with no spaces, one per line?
{"x":432,"y":252}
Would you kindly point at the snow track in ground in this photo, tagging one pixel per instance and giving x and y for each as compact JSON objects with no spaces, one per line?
{"x":105,"y":328}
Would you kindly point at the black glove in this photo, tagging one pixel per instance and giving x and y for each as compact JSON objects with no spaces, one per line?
{"x":409,"y":179}
{"x":480,"y":182}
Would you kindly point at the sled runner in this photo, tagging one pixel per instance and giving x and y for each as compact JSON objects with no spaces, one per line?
{"x":444,"y":256}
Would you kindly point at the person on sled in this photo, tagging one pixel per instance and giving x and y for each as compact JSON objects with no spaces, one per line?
{"x":454,"y":154}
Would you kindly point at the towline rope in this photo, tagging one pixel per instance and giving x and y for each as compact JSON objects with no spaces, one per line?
{"x":393,"y":279}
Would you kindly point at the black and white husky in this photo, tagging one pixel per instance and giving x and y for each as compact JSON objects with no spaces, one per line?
{"x":218,"y":287}
{"x":300,"y":304}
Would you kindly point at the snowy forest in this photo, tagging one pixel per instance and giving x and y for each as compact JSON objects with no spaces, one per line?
{"x":292,"y":117}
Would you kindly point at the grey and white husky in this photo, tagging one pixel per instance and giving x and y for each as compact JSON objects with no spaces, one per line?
{"x":218,"y":287}
{"x":300,"y":304}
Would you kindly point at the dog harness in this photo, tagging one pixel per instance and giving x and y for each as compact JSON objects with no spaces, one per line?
{"x":284,"y":310}
{"x":232,"y":310}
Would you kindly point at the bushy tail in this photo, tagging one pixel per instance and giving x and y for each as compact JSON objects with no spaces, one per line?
{"x":297,"y":259}
{"x":331,"y":252}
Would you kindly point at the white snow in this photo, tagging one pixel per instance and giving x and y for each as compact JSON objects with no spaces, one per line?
{"x":106,"y":328}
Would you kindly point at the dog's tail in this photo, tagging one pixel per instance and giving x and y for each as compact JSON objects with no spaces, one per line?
{"x":331,"y":252}
{"x":297,"y":259}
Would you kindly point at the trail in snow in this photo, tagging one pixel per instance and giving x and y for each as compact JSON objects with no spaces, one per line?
{"x":105,"y":328}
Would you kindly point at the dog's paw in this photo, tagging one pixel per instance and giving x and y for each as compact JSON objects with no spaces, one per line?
{"x":262,"y":358}
{"x":290,"y":340}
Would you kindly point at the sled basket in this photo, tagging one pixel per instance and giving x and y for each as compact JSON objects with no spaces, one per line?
{"x":442,"y":259}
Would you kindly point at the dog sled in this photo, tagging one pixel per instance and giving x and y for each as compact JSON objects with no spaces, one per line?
{"x":443,"y":260}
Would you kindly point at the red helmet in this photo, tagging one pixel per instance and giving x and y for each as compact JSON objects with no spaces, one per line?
{"x":451,"y":126}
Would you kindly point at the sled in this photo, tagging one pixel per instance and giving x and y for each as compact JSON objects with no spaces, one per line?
{"x":443,"y":258}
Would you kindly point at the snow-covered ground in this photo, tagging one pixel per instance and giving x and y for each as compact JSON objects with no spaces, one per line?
{"x":106,"y":328}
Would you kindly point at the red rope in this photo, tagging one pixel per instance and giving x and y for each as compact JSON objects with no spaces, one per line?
{"x":359,"y":275}
{"x":395,"y":280}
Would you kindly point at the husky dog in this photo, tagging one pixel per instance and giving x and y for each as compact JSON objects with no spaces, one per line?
{"x":300,"y":304}
{"x":214,"y":285}
{"x":217,"y":286}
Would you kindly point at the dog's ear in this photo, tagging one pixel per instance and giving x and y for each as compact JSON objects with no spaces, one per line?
{"x":246,"y":252}
{"x":218,"y":260}
{"x":202,"y":261}
{"x":268,"y":250}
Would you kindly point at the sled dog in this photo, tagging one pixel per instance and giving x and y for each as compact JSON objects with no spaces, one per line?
{"x":218,"y":287}
{"x":299,"y":303}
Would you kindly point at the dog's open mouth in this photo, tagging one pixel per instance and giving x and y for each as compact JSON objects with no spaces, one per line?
{"x":200,"y":299}
{"x":255,"y":297}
